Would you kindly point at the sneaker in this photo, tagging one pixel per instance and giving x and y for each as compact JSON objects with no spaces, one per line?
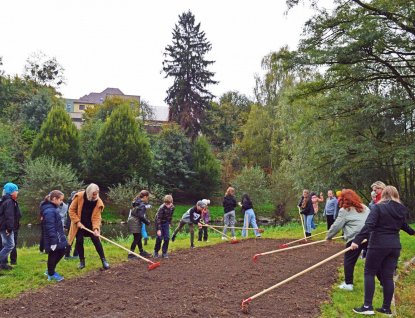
{"x":145,"y":254}
{"x":364,"y":310}
{"x":207,"y":241}
{"x":56,"y":277}
{"x":164,"y":255}
{"x":224,"y":238}
{"x":346,"y":286}
{"x":192,"y":246}
{"x":75,"y":256}
{"x":41,"y":252}
{"x":6,"y":267}
{"x":13,"y":263}
{"x":386,"y":312}
{"x":258,"y":236}
{"x":173,"y":237}
{"x":131,"y":256}
{"x":234,"y":238}
{"x":156,"y":255}
{"x":199,"y":240}
{"x":46,"y":273}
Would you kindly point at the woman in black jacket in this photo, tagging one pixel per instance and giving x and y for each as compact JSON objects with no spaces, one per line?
{"x":229,"y":204}
{"x":136,"y":220}
{"x":382,"y":228}
{"x":249,"y":217}
{"x":307,"y":209}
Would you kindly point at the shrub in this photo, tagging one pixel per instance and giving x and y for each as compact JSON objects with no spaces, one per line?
{"x":253,"y":181}
{"x":43,"y":175}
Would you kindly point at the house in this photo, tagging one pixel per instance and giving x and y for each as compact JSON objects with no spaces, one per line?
{"x":76,"y":108}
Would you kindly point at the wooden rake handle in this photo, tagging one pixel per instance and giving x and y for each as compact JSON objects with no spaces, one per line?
{"x":207,"y":225}
{"x":120,"y":246}
{"x":235,"y":227}
{"x":297,"y":275}
{"x":303,"y":238}
{"x":294,"y":247}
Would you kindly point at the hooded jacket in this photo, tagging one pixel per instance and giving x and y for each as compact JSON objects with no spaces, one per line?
{"x":164,"y":215}
{"x":52,"y":226}
{"x":229,"y":203}
{"x":138,"y":217}
{"x":10,"y":214}
{"x":383,"y":225}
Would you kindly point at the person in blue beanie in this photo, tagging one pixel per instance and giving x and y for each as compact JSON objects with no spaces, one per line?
{"x":10,"y":215}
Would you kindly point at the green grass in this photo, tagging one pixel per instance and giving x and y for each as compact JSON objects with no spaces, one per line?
{"x":31,"y":266}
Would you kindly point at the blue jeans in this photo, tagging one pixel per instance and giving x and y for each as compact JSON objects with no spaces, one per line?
{"x":8,"y":245}
{"x":144,"y":232}
{"x":165,"y":235}
{"x":250,"y":215}
{"x":307,"y":222}
{"x":313,"y":226}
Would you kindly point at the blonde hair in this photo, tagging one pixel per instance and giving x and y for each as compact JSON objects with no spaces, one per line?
{"x":168,"y":199}
{"x":90,"y":190}
{"x":230,"y":191}
{"x":304,"y":199}
{"x":378,"y":185}
{"x":390,"y":193}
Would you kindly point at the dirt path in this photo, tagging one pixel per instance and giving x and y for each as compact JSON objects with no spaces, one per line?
{"x":208,"y":281}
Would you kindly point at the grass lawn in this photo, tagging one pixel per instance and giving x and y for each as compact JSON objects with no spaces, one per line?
{"x":28,"y":274}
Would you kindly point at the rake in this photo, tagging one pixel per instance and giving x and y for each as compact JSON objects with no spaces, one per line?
{"x":293,"y":247}
{"x":286,"y":244}
{"x":227,"y":236}
{"x":241,"y":228}
{"x":150,"y":267}
{"x":296,"y":275}
{"x":302,"y":223}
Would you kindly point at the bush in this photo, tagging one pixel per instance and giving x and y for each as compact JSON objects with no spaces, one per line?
{"x":122,"y":195}
{"x":43,"y":175}
{"x":253,"y":181}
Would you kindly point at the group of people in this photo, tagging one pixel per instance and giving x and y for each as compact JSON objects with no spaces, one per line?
{"x":374,"y":230}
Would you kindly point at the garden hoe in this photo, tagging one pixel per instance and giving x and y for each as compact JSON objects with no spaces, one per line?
{"x":227,"y":236}
{"x":150,"y":267}
{"x":291,"y":248}
{"x":295,"y":276}
{"x":286,"y":244}
{"x":240,"y":228}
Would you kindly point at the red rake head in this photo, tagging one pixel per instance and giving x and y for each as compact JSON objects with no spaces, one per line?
{"x":154,"y":266}
{"x":244,"y":302}
{"x":234,"y":241}
{"x":261,"y":230}
{"x":283,"y":246}
{"x":256,"y":257}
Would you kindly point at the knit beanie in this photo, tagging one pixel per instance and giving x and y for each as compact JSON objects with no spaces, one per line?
{"x":10,"y":188}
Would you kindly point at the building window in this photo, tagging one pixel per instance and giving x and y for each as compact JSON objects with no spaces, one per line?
{"x":81,"y":107}
{"x":68,"y":107}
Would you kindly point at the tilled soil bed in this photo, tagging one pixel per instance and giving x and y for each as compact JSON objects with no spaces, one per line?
{"x":208,"y":281}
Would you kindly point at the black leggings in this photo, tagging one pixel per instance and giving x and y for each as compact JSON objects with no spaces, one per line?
{"x":385,"y":259}
{"x":350,"y":259}
{"x":80,"y":243}
{"x":137,"y":242}
{"x":53,"y":259}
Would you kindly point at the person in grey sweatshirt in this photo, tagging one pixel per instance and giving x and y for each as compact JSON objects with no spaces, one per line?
{"x":351,"y":219}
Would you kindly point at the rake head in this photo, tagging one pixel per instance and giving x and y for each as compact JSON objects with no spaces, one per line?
{"x":283,"y":246}
{"x":256,"y":257}
{"x":234,"y":241}
{"x":261,"y":230}
{"x":303,"y":241}
{"x":245,"y":305}
{"x":153,"y":266}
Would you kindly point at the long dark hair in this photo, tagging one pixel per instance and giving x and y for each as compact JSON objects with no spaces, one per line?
{"x":246,"y":198}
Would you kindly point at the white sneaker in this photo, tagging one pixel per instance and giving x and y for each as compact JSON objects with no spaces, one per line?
{"x":224,"y":238}
{"x":233,"y":237}
{"x":346,"y":286}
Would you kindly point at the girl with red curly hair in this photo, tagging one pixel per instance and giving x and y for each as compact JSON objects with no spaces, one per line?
{"x":351,"y":219}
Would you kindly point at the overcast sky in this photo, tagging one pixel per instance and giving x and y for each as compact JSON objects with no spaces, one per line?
{"x":120,"y":43}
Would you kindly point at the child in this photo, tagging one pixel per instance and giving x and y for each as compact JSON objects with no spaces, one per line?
{"x":163,"y":223}
{"x":204,"y":220}
{"x":138,"y":217}
{"x":249,"y":217}
{"x":229,"y":204}
{"x":54,"y":238}
{"x":191,"y":217}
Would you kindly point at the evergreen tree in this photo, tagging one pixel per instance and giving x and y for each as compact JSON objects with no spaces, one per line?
{"x":58,"y":138}
{"x":206,"y":178}
{"x":122,"y":149}
{"x":185,"y":62}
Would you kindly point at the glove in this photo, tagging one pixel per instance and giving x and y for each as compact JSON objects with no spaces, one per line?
{"x":53,"y":247}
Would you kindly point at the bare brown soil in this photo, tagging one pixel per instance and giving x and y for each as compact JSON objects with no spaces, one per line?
{"x":207,"y":281}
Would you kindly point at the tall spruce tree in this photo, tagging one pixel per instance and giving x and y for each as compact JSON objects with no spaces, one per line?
{"x":58,"y":138}
{"x":122,"y":149}
{"x":185,"y":62}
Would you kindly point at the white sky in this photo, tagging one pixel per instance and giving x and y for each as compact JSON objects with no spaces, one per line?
{"x":121,"y":43}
